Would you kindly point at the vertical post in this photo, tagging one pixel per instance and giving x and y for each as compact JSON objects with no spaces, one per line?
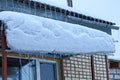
{"x":107,"y":67}
{"x":20,"y":74}
{"x":62,"y":67}
{"x":92,"y":67}
{"x":4,"y":55}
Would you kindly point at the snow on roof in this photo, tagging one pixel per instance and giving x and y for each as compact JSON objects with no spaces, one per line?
{"x":115,"y":56}
{"x":37,"y":34}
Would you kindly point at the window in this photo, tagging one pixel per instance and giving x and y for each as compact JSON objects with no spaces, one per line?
{"x":19,"y":69}
{"x":30,"y":69}
{"x":46,"y":70}
{"x":70,"y":4}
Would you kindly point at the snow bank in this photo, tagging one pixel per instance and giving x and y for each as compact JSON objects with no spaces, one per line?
{"x":30,"y":33}
{"x":115,"y":56}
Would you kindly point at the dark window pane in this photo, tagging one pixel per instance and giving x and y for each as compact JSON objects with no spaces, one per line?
{"x":47,"y":71}
{"x":70,"y":4}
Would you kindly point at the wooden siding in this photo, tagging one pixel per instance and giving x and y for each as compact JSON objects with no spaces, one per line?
{"x":114,"y":64}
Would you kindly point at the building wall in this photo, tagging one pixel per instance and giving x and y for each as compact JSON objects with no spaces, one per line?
{"x":25,"y":56}
{"x":80,"y":68}
{"x":100,"y":67}
{"x":114,"y":74}
{"x":76,"y":67}
{"x":14,"y":5}
{"x":64,"y":3}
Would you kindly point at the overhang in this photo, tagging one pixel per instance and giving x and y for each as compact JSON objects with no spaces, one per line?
{"x":32,"y":34}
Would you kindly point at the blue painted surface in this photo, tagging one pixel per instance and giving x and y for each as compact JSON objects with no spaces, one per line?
{"x":13,"y":5}
{"x":47,"y":71}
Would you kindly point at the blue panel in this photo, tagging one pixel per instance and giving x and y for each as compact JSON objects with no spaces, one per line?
{"x":13,"y":5}
{"x":47,"y":71}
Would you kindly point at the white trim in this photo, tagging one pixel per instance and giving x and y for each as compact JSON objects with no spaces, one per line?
{"x":38,"y":69}
{"x":57,"y":71}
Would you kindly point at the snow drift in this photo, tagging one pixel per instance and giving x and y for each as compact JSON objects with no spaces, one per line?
{"x":30,"y":33}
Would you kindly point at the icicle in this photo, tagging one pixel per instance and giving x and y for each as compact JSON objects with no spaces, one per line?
{"x":77,"y":18}
{"x":0,"y":6}
{"x":45,"y":55}
{"x":29,"y":5}
{"x":54,"y":56}
{"x":6,"y":3}
{"x":45,"y":14}
{"x":12,"y":4}
{"x":35,"y":8}
{"x":23,"y":6}
{"x":20,"y":66}
{"x":65,"y":16}
{"x":40,"y":9}
{"x":81,"y":18}
{"x":74,"y":15}
{"x":20,"y":60}
{"x":42,"y":56}
{"x":17,"y":4}
{"x":56,"y":14}
{"x":69,"y":15}
{"x":61,"y":13}
{"x":51,"y":12}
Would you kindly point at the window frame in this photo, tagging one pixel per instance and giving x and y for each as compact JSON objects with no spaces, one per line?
{"x":38,"y":70}
{"x":70,"y":3}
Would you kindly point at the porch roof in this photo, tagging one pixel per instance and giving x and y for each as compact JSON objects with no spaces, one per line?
{"x":32,"y":34}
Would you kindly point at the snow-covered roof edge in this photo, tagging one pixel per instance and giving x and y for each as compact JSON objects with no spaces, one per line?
{"x":74,"y":35}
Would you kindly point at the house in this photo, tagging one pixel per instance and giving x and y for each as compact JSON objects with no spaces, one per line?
{"x":114,"y":67}
{"x":46,"y":41}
